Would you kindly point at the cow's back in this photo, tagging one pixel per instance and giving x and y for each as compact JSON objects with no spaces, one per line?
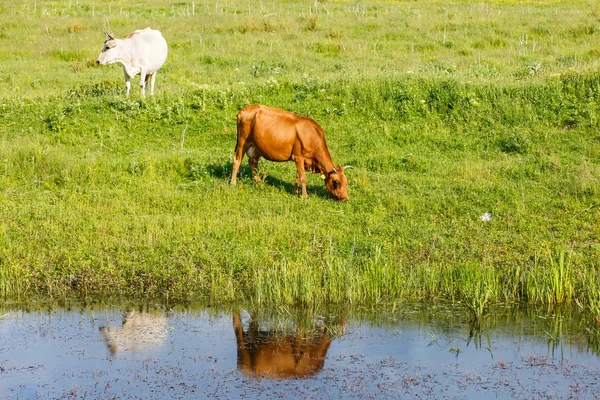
{"x":269,"y":131}
{"x":151,"y":48}
{"x":279,"y":135}
{"x":268,"y":116}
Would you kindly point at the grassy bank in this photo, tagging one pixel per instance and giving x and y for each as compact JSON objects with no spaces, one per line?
{"x":103,"y":195}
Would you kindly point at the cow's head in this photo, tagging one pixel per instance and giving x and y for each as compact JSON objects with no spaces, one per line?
{"x":336,"y":183}
{"x":108,"y":55}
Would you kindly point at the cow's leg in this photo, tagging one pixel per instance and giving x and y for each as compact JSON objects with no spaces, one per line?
{"x":253,"y":157}
{"x":148,"y":81}
{"x":237,"y":158}
{"x":127,"y":83}
{"x":152,"y":79}
{"x":296,"y":183}
{"x":143,"y":80}
{"x":301,"y":174}
{"x":253,"y":162}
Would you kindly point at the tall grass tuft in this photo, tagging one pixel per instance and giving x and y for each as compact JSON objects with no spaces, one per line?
{"x":562,"y":279}
{"x":476,"y":289}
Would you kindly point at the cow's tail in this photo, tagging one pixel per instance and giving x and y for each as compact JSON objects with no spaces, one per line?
{"x":240,"y":128}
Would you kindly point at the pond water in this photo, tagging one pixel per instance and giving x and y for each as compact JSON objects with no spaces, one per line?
{"x":412,"y":351}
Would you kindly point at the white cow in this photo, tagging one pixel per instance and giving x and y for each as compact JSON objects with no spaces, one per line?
{"x":141,"y":331}
{"x":143,"y":52}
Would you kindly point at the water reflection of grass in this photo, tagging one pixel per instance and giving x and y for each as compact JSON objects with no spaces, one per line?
{"x":561,"y":328}
{"x":475,"y":154}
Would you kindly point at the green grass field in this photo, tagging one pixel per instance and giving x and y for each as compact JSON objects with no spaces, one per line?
{"x":446,"y":109}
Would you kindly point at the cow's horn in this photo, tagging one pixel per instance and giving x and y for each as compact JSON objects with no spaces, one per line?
{"x":348,"y":167}
{"x":110,"y":36}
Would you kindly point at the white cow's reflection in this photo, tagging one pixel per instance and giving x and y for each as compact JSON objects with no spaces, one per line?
{"x":273,"y":354}
{"x":140,"y":331}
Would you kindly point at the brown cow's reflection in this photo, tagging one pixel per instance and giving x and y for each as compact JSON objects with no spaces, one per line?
{"x":140,"y":331}
{"x":272,"y":354}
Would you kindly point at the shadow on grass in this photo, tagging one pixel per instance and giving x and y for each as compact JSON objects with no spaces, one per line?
{"x":223,"y":171}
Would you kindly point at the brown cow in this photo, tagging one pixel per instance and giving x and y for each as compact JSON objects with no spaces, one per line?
{"x":272,"y":354}
{"x":279,"y":135}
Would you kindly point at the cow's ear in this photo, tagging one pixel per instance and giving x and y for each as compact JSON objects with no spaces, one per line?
{"x":110,"y":44}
